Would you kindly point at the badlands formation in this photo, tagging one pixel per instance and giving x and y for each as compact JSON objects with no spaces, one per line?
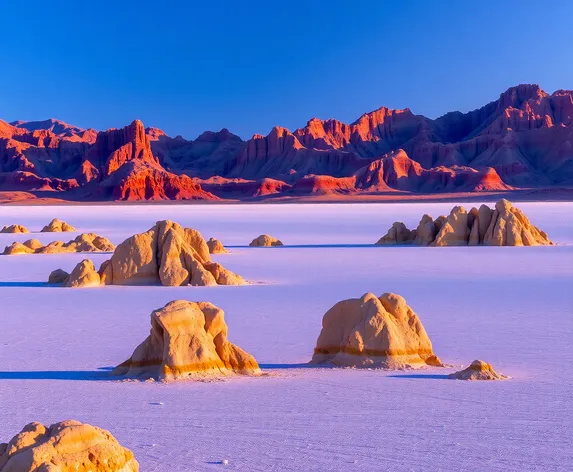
{"x":216,"y":247}
{"x":67,"y":446}
{"x":187,"y":340}
{"x":14,"y":229}
{"x":478,"y":370}
{"x":57,"y":226}
{"x":85,"y":242}
{"x":521,"y":141}
{"x":264,"y":240}
{"x":166,"y":254}
{"x":374,"y":332}
{"x":503,"y":226}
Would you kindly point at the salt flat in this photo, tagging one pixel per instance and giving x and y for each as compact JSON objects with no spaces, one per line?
{"x":512,"y":307}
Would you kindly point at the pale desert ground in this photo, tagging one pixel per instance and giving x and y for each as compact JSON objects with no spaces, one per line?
{"x":512,"y":307}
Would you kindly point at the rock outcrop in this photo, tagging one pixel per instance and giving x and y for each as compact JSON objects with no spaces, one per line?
{"x":83,"y":275}
{"x":57,"y":225}
{"x":166,"y":254}
{"x":264,"y":240}
{"x":67,"y":446}
{"x":216,"y":247}
{"x":373,"y":332}
{"x":85,"y":242}
{"x":504,"y":225}
{"x":188,"y":340}
{"x":14,"y":229}
{"x":478,"y":370}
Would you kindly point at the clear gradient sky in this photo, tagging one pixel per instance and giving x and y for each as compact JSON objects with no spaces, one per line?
{"x":249,"y":65}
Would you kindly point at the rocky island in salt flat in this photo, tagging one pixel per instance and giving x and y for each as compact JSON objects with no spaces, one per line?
{"x":478,"y":370}
{"x":187,"y":340}
{"x":265,"y":240}
{"x":57,"y":226}
{"x":166,"y":254}
{"x":14,"y":229}
{"x":216,"y":247}
{"x":505,"y":225}
{"x":374,"y":331}
{"x":85,"y":242}
{"x":67,"y":446}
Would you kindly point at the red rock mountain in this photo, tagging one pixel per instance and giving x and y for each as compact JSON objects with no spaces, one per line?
{"x":523,"y":140}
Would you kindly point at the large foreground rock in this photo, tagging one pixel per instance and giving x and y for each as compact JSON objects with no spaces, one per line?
{"x":85,"y":242}
{"x":68,"y":446}
{"x":264,"y":240}
{"x":504,"y":225}
{"x":57,"y":225}
{"x":187,"y":340}
{"x":166,"y":254}
{"x":373,"y":332}
{"x":478,"y":370}
{"x":14,"y":229}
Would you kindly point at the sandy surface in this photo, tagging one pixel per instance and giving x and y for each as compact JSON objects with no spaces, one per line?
{"x":512,"y":307}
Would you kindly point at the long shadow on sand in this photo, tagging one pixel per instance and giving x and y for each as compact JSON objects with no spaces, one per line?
{"x":102,"y":374}
{"x":419,"y":376}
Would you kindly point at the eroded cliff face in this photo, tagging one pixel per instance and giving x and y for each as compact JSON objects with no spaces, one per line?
{"x":523,"y":139}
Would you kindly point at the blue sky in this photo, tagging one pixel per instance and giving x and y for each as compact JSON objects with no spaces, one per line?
{"x":250,"y":65}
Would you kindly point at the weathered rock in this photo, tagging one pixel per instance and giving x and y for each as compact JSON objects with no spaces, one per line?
{"x":58,"y":276}
{"x":478,"y":370}
{"x":14,"y":229}
{"x":455,"y":231}
{"x":83,"y":275}
{"x":504,"y":226}
{"x":187,"y":340}
{"x":510,"y":227}
{"x":264,"y":240}
{"x":216,"y":247}
{"x":166,"y":254}
{"x":426,"y":231}
{"x":85,"y":242}
{"x":57,"y":225}
{"x":397,"y":234}
{"x":373,"y":332}
{"x":68,"y":446}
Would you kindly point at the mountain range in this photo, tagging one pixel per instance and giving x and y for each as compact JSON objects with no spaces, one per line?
{"x":523,"y":140}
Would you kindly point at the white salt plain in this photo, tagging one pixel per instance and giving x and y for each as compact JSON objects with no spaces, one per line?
{"x":512,"y":307}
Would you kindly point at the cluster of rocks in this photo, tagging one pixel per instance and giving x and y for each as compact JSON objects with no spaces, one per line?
{"x":503,"y":226}
{"x":264,"y":240}
{"x":187,"y":340}
{"x":166,"y":254}
{"x":54,"y":226}
{"x":85,"y":242}
{"x":67,"y":446}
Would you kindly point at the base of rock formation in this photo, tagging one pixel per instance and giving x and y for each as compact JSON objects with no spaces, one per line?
{"x":188,"y":340}
{"x":68,"y":446}
{"x":264,"y":240}
{"x":216,"y":247}
{"x":374,"y":332}
{"x":478,"y":370}
{"x":85,"y":242}
{"x":57,"y":225}
{"x":503,"y":226}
